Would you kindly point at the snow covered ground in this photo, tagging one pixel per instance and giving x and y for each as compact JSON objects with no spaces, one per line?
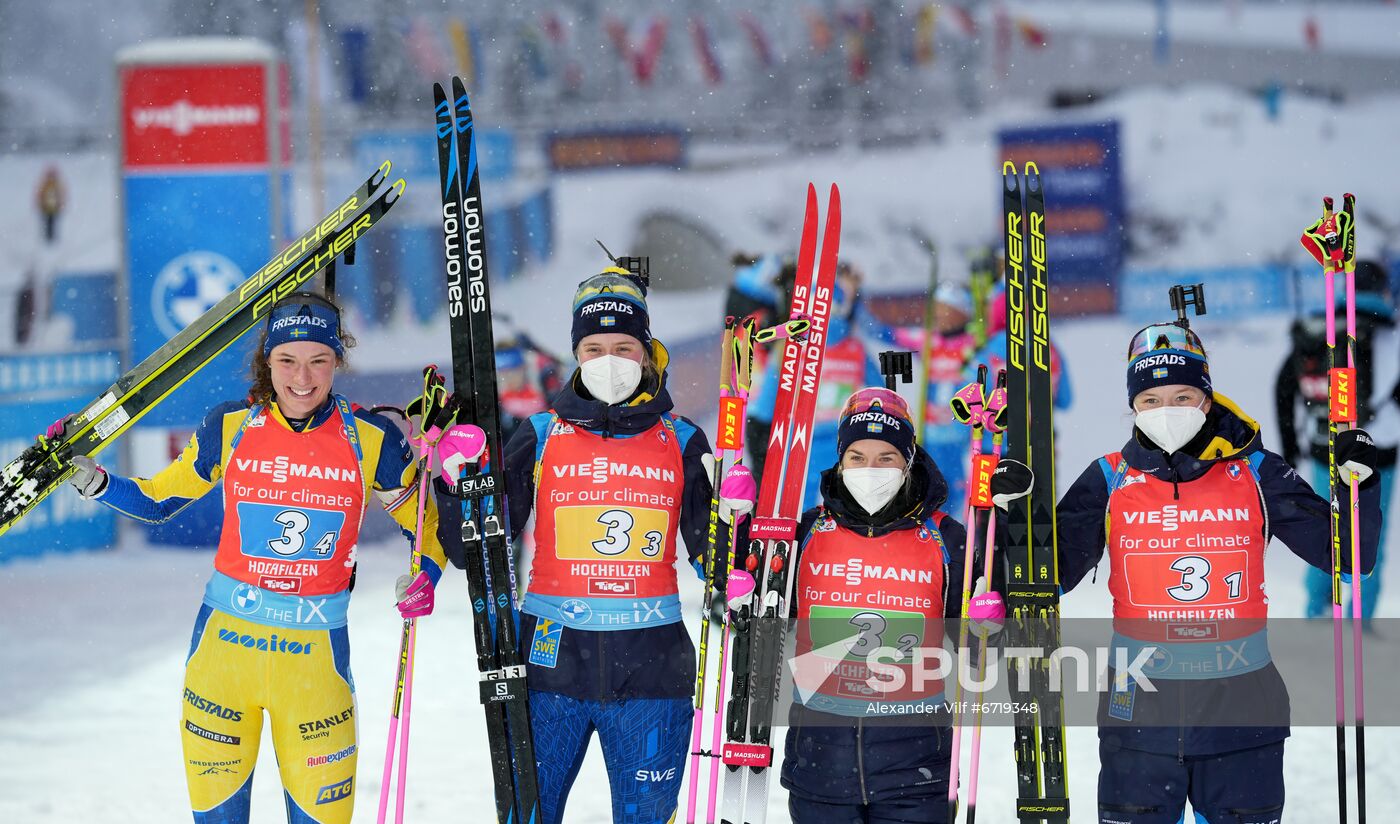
{"x":94,"y":644}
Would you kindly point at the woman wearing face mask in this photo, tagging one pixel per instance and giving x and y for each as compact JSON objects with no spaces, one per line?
{"x":880,"y":565}
{"x":1186,"y":509}
{"x":616,"y":483}
{"x":299,"y":466}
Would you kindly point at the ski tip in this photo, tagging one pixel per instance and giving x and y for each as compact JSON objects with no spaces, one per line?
{"x":1008,"y":171}
{"x":396,"y":192}
{"x":835,"y":196}
{"x":1032,"y":176}
{"x":379,"y":175}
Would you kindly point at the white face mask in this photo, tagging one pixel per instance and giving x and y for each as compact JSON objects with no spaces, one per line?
{"x":1171,"y":427}
{"x":611,"y":379}
{"x":873,"y":487}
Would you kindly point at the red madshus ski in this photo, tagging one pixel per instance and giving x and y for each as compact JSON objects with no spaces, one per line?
{"x":760,"y":620}
{"x":1033,"y":579}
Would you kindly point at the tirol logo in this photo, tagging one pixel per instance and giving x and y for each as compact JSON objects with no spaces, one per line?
{"x":1193,"y":632}
{"x":183,"y":117}
{"x":277,"y":584}
{"x":188,"y":286}
{"x":612,"y":586}
{"x":335,"y":792}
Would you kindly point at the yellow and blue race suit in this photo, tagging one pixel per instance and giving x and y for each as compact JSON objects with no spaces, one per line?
{"x":271,"y":634}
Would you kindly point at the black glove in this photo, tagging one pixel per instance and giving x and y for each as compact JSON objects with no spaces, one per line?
{"x":1010,"y":480}
{"x":1355,"y":452}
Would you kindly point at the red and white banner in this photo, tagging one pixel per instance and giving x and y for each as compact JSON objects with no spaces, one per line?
{"x":194,"y":116}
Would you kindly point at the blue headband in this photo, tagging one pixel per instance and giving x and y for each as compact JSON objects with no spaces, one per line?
{"x":309,"y":320}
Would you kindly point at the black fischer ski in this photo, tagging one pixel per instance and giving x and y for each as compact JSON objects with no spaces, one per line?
{"x":485,"y":529}
{"x":1033,"y":579}
{"x":40,"y":469}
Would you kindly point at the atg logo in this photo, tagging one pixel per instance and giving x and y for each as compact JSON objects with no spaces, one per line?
{"x":336,"y":792}
{"x":188,"y":286}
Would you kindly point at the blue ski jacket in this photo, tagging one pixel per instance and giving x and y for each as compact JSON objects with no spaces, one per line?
{"x":1208,"y":715}
{"x":842,"y":760}
{"x":650,"y":662}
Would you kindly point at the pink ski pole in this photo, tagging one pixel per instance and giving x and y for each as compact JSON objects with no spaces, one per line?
{"x":967,"y":406}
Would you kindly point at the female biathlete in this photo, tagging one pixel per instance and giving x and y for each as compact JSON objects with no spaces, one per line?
{"x":1186,"y":509}
{"x":299,"y":465}
{"x":880,"y":566}
{"x":614,"y":481}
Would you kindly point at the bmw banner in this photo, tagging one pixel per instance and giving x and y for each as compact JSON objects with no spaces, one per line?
{"x":201,"y":133}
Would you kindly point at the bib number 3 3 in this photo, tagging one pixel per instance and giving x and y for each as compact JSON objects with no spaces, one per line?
{"x":632,"y":534}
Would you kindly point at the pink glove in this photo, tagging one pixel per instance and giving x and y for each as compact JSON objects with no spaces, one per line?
{"x":56,"y":428}
{"x":737,"y":493}
{"x":460,"y":445}
{"x":987,"y":613}
{"x":739,"y":588}
{"x":415,"y":596}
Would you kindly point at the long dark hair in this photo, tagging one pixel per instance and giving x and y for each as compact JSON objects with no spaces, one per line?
{"x":262,"y":391}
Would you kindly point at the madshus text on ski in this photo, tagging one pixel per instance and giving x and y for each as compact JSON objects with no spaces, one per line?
{"x":842,"y":532}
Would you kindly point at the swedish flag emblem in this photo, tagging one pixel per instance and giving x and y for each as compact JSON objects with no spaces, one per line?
{"x":874,"y":426}
{"x":607,"y":320}
{"x":1160,"y":373}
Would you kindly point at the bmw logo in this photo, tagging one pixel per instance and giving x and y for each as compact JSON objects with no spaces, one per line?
{"x":576,"y":610}
{"x":246,"y":598}
{"x":188,"y":286}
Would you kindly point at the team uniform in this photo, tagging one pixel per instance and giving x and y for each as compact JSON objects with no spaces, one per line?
{"x":851,"y":754}
{"x":271,"y":633}
{"x":615,"y":490}
{"x":1186,"y":534}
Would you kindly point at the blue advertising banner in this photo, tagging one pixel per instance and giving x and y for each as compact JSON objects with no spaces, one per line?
{"x":34,"y":390}
{"x":1085,"y":215}
{"x":191,"y":239}
{"x":1231,"y":291}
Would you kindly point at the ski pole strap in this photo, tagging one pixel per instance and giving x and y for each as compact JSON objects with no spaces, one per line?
{"x":967,"y":404}
{"x":794,"y":328}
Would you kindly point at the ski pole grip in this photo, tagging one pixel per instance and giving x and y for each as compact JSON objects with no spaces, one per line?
{"x":726,"y":356}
